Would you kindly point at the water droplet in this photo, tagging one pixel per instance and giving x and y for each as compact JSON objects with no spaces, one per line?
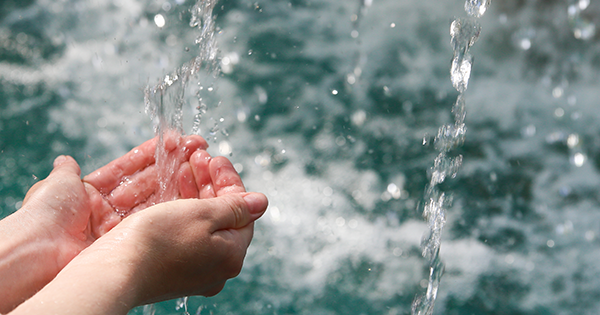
{"x":523,"y":38}
{"x":359,"y":117}
{"x":578,"y":159}
{"x":557,"y":92}
{"x":460,"y":72}
{"x":572,"y":140}
{"x":159,"y":20}
{"x":225,"y":148}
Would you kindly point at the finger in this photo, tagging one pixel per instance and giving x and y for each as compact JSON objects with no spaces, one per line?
{"x":235,"y":211}
{"x":225,"y":178}
{"x":171,"y":139}
{"x":65,"y":163}
{"x":106,"y":178}
{"x":200,"y":161}
{"x":62,"y":163}
{"x":134,"y":190}
{"x":187,"y":182}
{"x":193,"y":143}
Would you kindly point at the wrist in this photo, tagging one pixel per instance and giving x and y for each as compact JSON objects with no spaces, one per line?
{"x":27,"y":260}
{"x":100,"y":280}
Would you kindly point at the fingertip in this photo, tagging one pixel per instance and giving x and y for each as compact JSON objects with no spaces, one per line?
{"x":200,"y":158}
{"x":224,"y":177}
{"x":65,"y":161}
{"x":257,"y":204}
{"x":171,"y":140}
{"x":195,"y":142}
{"x":60,"y":160}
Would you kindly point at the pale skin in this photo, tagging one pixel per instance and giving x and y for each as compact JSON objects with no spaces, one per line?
{"x":87,"y":247}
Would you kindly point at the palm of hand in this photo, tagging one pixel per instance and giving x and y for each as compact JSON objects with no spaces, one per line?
{"x":60,"y":204}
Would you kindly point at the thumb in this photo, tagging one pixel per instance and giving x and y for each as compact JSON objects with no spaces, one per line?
{"x":235,"y":211}
{"x":67,"y":164}
{"x":62,"y":163}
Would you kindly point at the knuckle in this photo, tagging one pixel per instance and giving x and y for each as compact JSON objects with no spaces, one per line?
{"x":237,"y":211}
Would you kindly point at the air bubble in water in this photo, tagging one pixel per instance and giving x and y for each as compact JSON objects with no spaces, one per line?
{"x":476,"y":8}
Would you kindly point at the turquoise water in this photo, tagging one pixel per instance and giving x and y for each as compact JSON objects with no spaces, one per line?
{"x":330,"y":125}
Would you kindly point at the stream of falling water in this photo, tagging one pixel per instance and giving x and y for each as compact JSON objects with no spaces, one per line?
{"x":464,"y":33}
{"x":164,"y":102}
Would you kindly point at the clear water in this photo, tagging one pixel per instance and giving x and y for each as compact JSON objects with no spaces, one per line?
{"x":323,"y":106}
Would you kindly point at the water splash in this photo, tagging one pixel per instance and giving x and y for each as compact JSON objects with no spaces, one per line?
{"x":164,"y":102}
{"x":464,"y":32}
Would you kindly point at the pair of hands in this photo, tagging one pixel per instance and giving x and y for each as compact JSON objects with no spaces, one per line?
{"x":92,"y":231}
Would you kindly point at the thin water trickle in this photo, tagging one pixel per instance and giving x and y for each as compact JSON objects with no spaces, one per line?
{"x":164,"y":102}
{"x":464,"y":33}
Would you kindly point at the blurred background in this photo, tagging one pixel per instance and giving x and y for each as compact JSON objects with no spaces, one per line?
{"x":324,"y":106}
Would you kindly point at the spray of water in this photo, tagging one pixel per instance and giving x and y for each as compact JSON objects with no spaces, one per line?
{"x":464,"y":33}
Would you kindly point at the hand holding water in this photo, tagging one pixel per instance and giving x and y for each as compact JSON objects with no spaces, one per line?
{"x":63,"y":215}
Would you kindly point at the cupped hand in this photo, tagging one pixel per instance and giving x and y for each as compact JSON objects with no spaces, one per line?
{"x":186,"y":247}
{"x":82,"y":211}
{"x":172,"y":249}
{"x":61,"y":215}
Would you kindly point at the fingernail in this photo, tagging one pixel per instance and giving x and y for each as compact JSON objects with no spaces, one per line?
{"x":257,"y":203}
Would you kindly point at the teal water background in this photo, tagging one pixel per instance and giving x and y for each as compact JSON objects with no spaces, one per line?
{"x":339,"y":151}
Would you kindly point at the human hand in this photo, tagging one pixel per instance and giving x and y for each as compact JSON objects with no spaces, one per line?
{"x":85,"y":210}
{"x":62,"y":214}
{"x":173,"y":249}
{"x":181,"y":248}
